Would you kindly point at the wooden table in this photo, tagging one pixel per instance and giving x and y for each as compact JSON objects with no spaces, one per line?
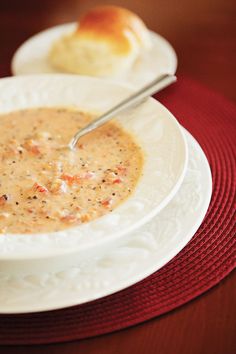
{"x":203,"y":33}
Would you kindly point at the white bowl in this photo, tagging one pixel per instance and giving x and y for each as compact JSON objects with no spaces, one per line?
{"x":157,"y":132}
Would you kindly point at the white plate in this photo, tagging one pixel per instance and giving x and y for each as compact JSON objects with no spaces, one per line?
{"x":145,"y":251}
{"x":156,"y":131}
{"x":32,"y":57}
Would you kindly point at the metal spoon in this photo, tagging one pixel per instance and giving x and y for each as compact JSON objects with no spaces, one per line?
{"x":137,"y":97}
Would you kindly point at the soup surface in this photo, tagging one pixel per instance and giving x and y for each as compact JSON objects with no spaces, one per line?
{"x":45,"y":187}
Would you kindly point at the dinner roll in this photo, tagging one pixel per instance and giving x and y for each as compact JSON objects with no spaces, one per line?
{"x":107,"y":42}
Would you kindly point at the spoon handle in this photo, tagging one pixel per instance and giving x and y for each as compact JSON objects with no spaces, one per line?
{"x":148,"y":90}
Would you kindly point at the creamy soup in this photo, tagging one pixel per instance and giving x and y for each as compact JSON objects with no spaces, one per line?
{"x":45,"y":187}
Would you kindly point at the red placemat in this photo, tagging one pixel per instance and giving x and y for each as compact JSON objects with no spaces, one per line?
{"x":207,"y":259}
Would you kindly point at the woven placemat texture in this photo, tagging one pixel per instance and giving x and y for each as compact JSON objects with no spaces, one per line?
{"x":207,"y":259}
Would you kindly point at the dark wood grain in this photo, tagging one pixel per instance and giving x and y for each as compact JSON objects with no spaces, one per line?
{"x":203,"y":33}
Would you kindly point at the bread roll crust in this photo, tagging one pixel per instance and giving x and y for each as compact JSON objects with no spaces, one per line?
{"x":112,"y":23}
{"x":106,"y":43}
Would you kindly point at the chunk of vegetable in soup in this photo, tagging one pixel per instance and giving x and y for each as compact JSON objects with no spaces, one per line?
{"x":45,"y":187}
